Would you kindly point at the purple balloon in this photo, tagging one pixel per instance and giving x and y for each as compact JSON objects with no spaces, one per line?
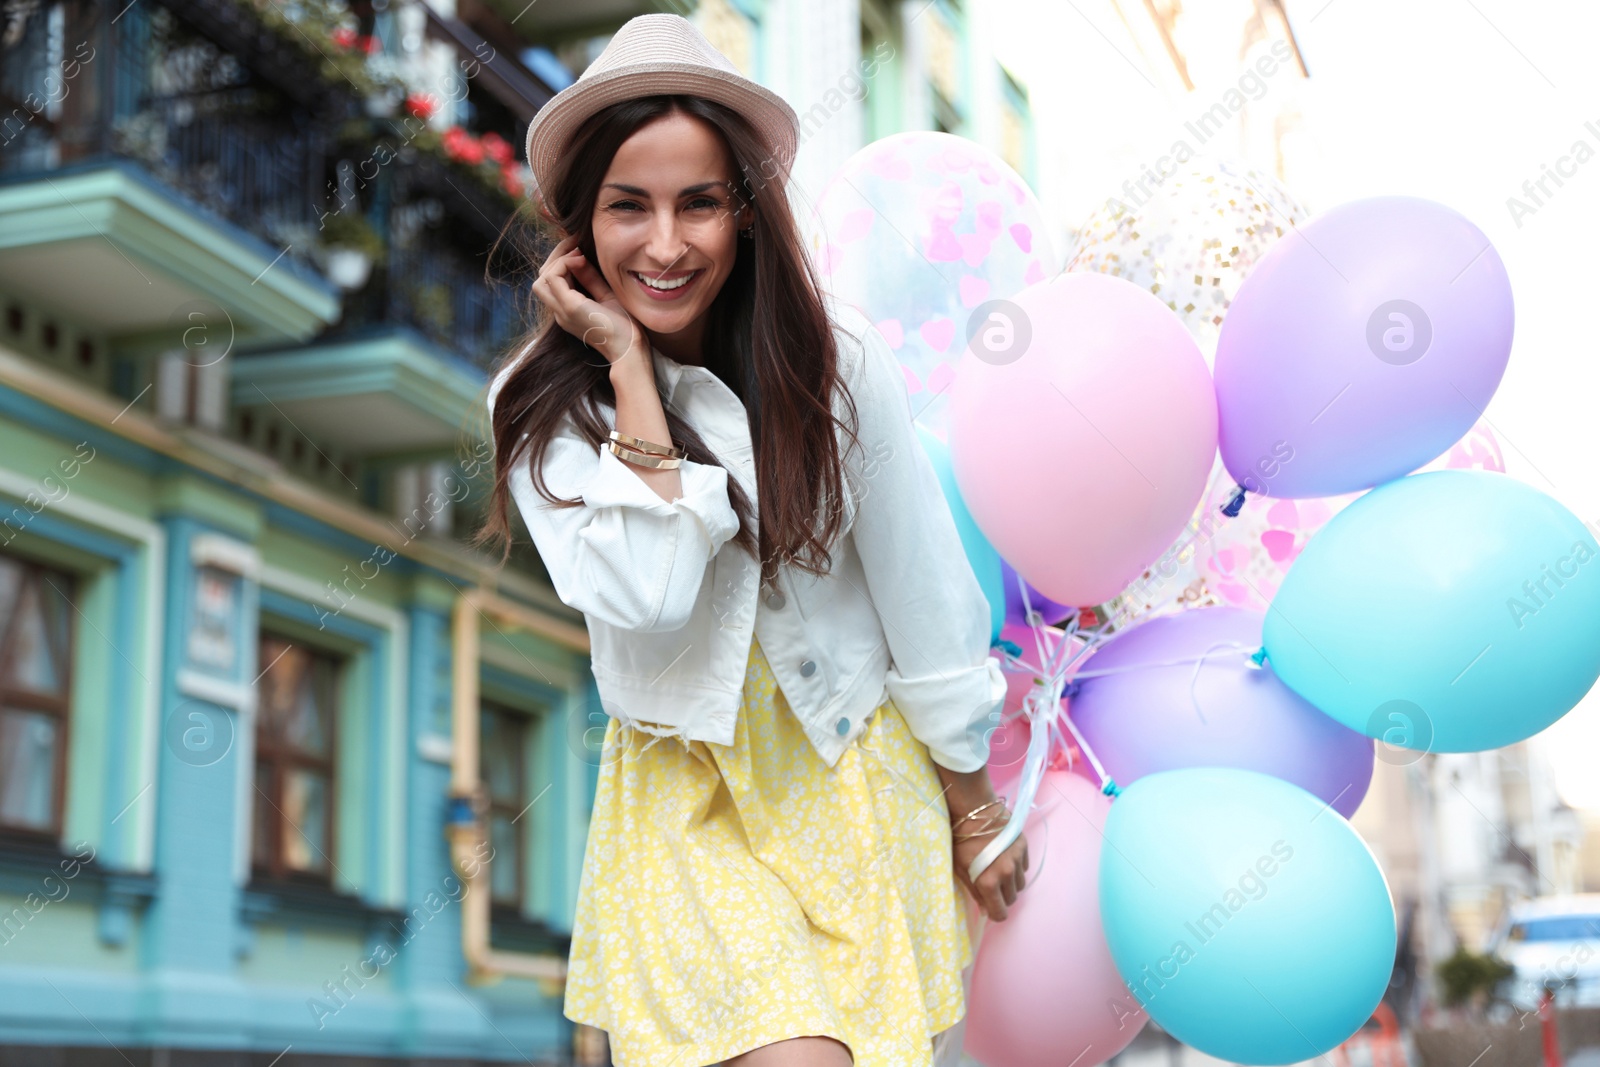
{"x":1144,"y":720}
{"x":1362,"y":346}
{"x":1051,"y":612}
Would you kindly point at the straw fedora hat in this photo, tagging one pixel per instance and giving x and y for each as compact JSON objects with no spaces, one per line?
{"x":657,"y":54}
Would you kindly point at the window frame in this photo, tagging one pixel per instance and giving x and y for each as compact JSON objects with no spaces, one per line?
{"x":58,"y":708}
{"x":278,"y":757}
{"x":521,"y":722}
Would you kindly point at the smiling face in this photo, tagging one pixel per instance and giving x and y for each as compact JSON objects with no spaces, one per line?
{"x":666,"y":213}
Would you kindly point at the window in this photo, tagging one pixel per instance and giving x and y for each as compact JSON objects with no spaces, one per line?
{"x":503,"y":732}
{"x":295,"y":737}
{"x":35,"y":682}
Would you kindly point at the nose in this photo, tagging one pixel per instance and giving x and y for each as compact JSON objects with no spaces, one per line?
{"x":666,"y":244}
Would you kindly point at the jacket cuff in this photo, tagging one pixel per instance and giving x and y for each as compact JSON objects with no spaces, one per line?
{"x":705,"y":494}
{"x":954,"y":713}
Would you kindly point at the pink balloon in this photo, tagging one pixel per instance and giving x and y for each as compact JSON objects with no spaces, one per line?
{"x":1045,"y":991}
{"x":1083,"y":425}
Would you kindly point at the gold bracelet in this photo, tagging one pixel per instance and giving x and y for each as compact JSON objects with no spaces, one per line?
{"x":974,"y":811}
{"x":994,"y":824}
{"x":639,"y":444}
{"x":643,"y":459}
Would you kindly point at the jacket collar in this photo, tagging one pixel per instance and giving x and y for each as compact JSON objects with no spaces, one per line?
{"x":669,"y":372}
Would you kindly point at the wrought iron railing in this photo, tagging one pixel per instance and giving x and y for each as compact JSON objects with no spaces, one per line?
{"x":143,"y":83}
{"x":221,"y":114}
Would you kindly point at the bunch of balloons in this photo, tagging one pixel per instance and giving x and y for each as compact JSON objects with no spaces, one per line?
{"x":1216,"y":578}
{"x":924,"y":232}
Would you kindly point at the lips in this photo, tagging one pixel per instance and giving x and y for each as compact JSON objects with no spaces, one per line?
{"x":663,"y":284}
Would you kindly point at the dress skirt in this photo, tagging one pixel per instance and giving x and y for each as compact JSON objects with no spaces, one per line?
{"x":736,"y":895}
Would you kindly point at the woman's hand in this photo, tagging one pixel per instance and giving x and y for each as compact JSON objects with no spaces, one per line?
{"x":1000,"y":882}
{"x":597,"y":317}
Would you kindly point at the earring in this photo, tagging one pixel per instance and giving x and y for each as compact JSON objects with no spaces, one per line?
{"x":748,"y":231}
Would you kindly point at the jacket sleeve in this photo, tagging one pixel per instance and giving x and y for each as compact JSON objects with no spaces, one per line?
{"x":625,"y":555}
{"x":934,"y":613}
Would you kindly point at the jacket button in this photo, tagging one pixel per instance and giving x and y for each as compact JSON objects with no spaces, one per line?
{"x":808,"y":668}
{"x":775,"y":601}
{"x":843,"y":726}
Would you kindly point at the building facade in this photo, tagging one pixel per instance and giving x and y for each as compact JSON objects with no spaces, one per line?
{"x":287,"y":767}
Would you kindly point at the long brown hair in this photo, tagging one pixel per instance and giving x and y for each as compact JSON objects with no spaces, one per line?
{"x":769,"y":339}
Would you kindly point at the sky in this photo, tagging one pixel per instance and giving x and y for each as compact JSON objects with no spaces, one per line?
{"x":1459,"y":101}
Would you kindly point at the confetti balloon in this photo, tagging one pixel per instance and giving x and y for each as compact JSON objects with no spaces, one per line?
{"x":923,"y":232}
{"x":1192,"y":241}
{"x":1241,"y":561}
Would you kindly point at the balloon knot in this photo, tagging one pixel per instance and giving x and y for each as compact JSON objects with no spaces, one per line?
{"x":1231,"y":508}
{"x":1259,"y":656}
{"x":1010,"y":646}
{"x":1069,"y":690}
{"x":1111,"y":788}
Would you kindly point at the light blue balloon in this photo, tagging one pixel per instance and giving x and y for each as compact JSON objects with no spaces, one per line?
{"x":980,"y":553}
{"x":1244,"y":914}
{"x":1453,"y":611}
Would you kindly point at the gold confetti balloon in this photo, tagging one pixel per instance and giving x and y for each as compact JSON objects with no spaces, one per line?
{"x":1189,"y":239}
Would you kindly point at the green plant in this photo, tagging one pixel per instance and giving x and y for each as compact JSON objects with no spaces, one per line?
{"x":350,"y":229}
{"x":432,"y":304}
{"x":1470,"y":976}
{"x":314,"y":26}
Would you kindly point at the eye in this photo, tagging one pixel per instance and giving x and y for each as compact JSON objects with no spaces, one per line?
{"x":706,"y":201}
{"x":623,"y":204}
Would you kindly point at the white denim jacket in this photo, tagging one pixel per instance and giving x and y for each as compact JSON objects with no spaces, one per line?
{"x":670,"y":610}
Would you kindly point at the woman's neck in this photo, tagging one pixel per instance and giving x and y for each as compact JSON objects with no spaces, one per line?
{"x":683,"y":347}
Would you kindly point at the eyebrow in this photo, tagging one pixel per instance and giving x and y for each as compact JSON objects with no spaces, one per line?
{"x":634,"y":190}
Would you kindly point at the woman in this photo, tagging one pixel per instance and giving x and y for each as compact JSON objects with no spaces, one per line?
{"x":775,"y":876}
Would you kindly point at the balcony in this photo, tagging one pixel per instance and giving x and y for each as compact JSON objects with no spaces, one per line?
{"x":147,"y":256}
{"x":163,"y":175}
{"x":384,"y":391}
{"x":193,"y":163}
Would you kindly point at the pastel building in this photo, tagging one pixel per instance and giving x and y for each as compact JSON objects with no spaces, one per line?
{"x":288,"y":768}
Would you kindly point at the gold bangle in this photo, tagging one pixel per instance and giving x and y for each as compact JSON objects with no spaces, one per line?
{"x":974,"y":811}
{"x":639,"y":444}
{"x":643,"y":459}
{"x":992,"y":825}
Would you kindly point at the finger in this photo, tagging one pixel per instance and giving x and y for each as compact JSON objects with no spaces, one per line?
{"x":556,"y":261}
{"x":541,"y":290}
{"x":993,"y":899}
{"x":591,"y":277}
{"x":567,"y":299}
{"x":1008,"y":887}
{"x":563,"y":246}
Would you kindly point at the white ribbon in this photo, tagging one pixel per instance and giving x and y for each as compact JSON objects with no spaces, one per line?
{"x":1042,"y":707}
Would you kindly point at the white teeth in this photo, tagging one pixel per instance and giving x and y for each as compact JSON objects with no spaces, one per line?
{"x":664,"y":286}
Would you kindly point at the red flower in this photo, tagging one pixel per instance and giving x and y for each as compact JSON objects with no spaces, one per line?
{"x":421,"y":105}
{"x":496,"y":147}
{"x":462,"y":146}
{"x":369,"y":43}
{"x":512,"y":181}
{"x":343,"y":36}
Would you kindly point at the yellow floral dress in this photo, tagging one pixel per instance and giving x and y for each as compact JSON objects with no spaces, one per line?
{"x":733,"y":896}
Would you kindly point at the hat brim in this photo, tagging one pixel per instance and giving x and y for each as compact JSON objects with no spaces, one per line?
{"x":769,"y":115}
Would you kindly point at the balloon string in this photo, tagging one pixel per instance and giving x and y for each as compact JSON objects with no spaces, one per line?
{"x":1042,"y":707}
{"x":1040,"y":714}
{"x":1107,"y":786}
{"x":1231,"y":646}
